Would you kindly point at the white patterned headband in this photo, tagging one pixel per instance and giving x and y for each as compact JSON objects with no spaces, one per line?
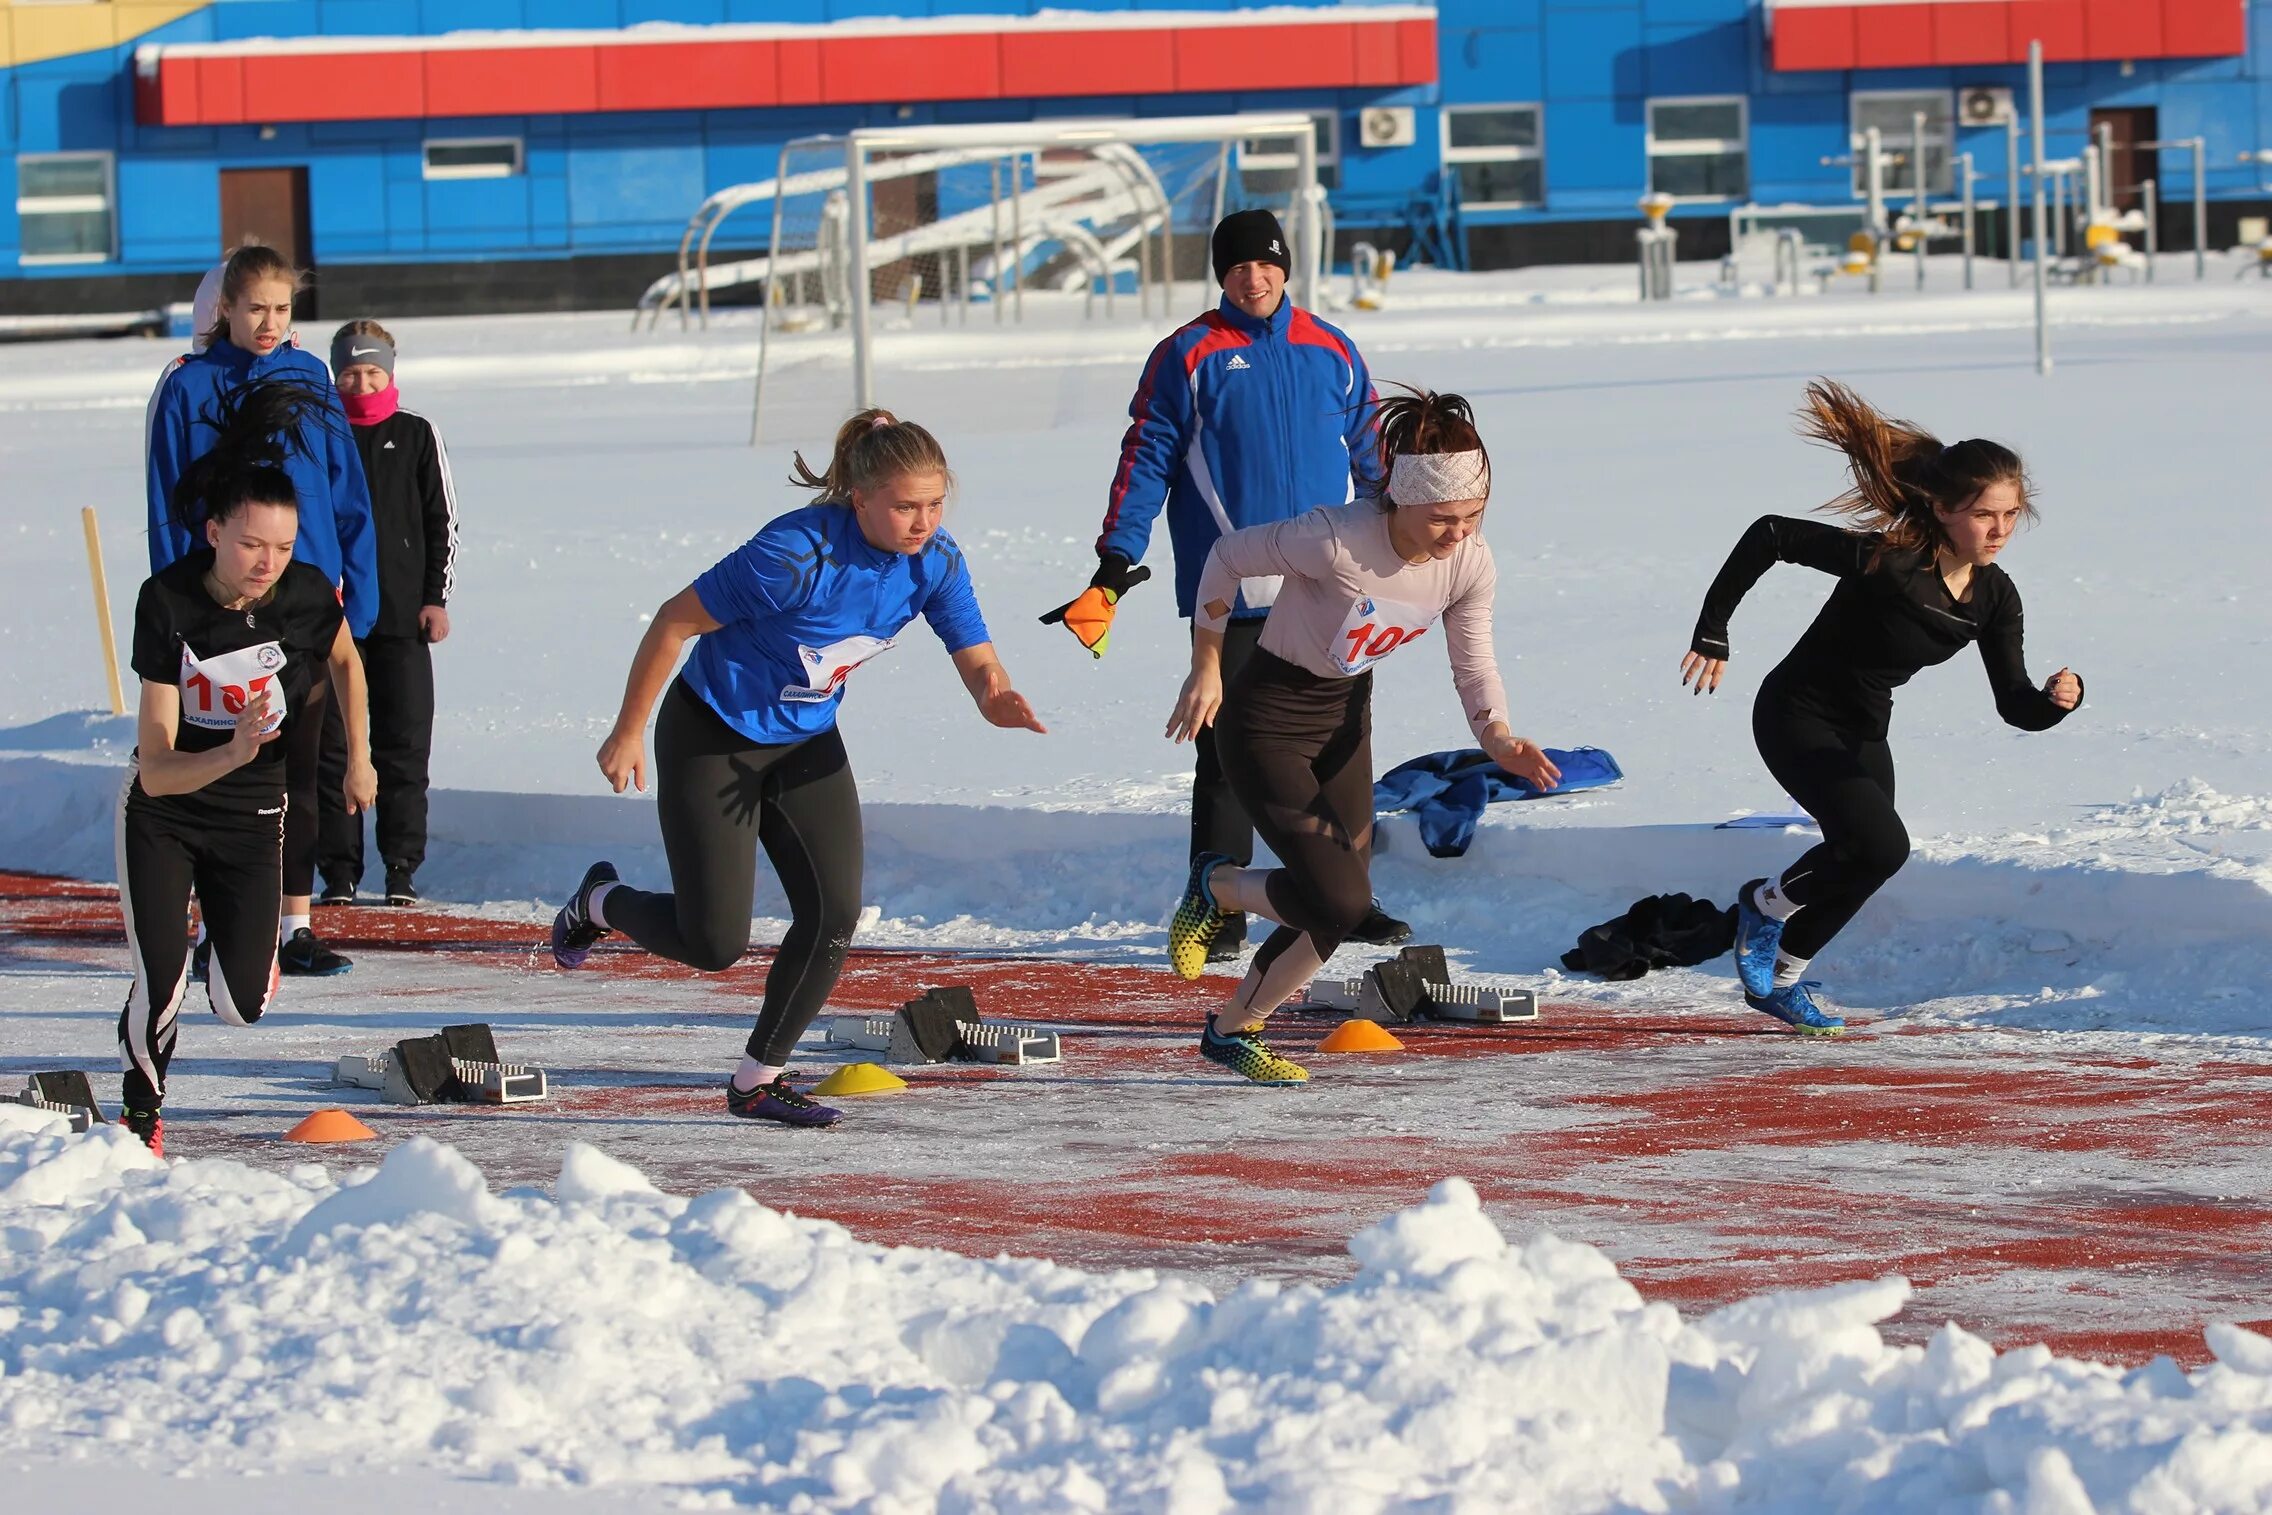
{"x":1436,"y":478}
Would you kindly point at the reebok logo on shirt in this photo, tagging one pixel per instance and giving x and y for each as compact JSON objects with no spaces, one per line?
{"x":1237,"y":362}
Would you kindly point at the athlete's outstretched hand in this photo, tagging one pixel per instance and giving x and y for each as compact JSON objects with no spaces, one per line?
{"x":2065,"y":690}
{"x":362,"y":787}
{"x":1011,"y":710}
{"x":1195,"y":708}
{"x":252,"y":730}
{"x":1525,"y":759}
{"x":1705,"y":671}
{"x":623,"y":758}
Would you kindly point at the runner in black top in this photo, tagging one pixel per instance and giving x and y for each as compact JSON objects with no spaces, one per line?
{"x":1917,"y":580}
{"x":229,"y":642}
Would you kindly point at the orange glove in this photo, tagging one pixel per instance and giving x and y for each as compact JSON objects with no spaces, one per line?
{"x":1088,"y":615}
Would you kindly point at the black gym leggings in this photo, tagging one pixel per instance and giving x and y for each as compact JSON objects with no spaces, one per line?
{"x":233,"y":861}
{"x":1298,"y":751}
{"x":721,"y":796}
{"x":1845,"y":781}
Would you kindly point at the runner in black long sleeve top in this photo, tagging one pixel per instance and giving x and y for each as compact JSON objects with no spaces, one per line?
{"x":1911,"y":594}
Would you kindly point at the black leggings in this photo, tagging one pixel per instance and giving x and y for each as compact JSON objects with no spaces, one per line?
{"x":1298,"y":751}
{"x":399,"y":673}
{"x":314,"y":778}
{"x":234,"y":863}
{"x":721,"y":796}
{"x":1845,"y":781}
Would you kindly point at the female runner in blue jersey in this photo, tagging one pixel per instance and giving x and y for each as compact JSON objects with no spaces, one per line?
{"x":746,"y":747}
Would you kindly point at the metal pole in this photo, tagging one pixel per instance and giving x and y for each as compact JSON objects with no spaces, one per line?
{"x":2035,"y":110}
{"x":2106,"y":190}
{"x":994,"y":290}
{"x":2200,"y":211}
{"x":1306,"y":239}
{"x":1919,"y":199}
{"x":1873,"y":150}
{"x":863,"y":355}
{"x":1018,"y":237}
{"x":2012,"y":198}
{"x":1966,"y":160}
{"x":2150,"y":193}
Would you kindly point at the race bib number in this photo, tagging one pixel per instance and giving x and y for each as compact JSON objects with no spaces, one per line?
{"x":1375,"y":628}
{"x":215,"y":690}
{"x":826,"y":668}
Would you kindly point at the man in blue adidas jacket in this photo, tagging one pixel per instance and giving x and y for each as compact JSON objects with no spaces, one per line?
{"x":1256,"y":412}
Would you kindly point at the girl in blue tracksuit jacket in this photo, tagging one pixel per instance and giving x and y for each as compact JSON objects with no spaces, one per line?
{"x":251,"y":342}
{"x":747,"y":753}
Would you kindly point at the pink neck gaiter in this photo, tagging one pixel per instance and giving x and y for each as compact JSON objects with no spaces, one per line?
{"x":370,"y":410}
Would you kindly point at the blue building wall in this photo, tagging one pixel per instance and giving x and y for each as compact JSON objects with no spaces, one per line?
{"x":622,"y":184}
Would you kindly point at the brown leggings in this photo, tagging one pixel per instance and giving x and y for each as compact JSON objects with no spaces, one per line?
{"x":1298,"y":751}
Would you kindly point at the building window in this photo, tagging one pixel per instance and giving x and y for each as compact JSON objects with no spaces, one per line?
{"x":1894,"y":113}
{"x":473,"y":158}
{"x":1268,"y":167}
{"x":1697,"y":149}
{"x":1497,"y":152}
{"x":65,"y":202}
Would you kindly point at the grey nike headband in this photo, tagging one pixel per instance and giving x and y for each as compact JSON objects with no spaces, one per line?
{"x":350,"y":348}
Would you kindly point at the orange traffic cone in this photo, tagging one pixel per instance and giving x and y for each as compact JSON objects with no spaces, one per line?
{"x":330,"y":1126}
{"x":1359,"y":1035}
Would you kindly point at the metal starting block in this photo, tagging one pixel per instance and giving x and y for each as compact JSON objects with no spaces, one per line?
{"x":943,"y":1024}
{"x":1417,"y":984}
{"x":460,"y":1065}
{"x":67,"y":1094}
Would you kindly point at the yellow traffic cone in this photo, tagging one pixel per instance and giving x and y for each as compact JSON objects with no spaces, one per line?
{"x":860,"y":1078}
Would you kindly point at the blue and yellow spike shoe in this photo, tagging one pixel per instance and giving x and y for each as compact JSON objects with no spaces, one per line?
{"x":1758,"y":936}
{"x":1244,"y":1054}
{"x":1794,"y":1006}
{"x":1196,"y":920}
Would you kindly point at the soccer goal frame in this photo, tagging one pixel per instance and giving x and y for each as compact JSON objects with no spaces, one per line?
{"x":873,"y":154}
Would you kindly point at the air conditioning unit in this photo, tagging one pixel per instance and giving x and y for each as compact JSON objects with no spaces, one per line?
{"x":1387,"y":126}
{"x":1985,"y":106}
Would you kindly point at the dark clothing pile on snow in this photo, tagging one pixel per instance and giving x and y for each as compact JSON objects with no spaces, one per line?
{"x":1660,"y":931}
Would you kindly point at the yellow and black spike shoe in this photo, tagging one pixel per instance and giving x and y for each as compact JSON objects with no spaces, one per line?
{"x":1196,"y":920}
{"x":1244,"y":1054}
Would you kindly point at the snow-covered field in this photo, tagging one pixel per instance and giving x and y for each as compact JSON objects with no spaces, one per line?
{"x":2114,"y":876}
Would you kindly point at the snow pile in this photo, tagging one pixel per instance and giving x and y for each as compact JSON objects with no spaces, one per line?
{"x":230,"y":1320}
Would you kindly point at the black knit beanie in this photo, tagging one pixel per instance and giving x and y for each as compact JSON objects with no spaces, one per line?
{"x":1250,"y":236}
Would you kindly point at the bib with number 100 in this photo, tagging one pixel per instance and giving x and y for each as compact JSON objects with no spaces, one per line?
{"x":1375,"y":628}
{"x":214,"y":690}
{"x":826,"y":668}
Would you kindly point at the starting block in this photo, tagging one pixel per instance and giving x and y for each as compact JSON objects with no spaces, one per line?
{"x":1417,"y":984}
{"x":941,"y":1025}
{"x":460,"y":1065}
{"x":67,"y":1094}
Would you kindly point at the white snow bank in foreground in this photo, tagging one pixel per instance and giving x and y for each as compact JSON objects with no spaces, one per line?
{"x":228,"y":1320}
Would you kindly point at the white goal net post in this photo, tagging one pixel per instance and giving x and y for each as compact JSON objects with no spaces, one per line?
{"x":888,"y":228}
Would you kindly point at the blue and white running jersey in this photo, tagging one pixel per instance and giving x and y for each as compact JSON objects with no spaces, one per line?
{"x":806,"y":601}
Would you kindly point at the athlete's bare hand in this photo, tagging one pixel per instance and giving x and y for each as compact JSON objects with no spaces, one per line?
{"x":362,"y":786}
{"x":1011,"y":711}
{"x":1525,"y":759}
{"x":1706,"y":672}
{"x":250,"y":736}
{"x":2065,"y":690}
{"x":623,"y":758}
{"x":1196,"y":707}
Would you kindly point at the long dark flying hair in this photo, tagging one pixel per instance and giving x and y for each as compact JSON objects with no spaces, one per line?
{"x":1422,"y":421}
{"x":1901,"y":470}
{"x":256,"y":427}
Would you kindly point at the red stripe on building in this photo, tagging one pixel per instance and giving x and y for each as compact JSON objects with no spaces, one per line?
{"x":1916,"y":33}
{"x":733,"y":67}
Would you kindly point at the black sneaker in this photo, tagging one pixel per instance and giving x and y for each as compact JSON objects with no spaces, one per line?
{"x":149,"y":1125}
{"x":1381,"y":929}
{"x":306,"y":956}
{"x":779,"y":1103}
{"x":336,"y":894}
{"x":1229,"y":942}
{"x":201,"y":960}
{"x":574,"y":932}
{"x":400,"y":889}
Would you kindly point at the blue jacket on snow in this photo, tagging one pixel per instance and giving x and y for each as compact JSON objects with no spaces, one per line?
{"x":335,"y":500}
{"x":1450,"y":789}
{"x":1236,"y":423}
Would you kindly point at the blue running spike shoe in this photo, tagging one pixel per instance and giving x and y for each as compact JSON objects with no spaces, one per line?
{"x":574,"y":933}
{"x":779,"y":1103}
{"x":1758,"y":935}
{"x":1795,"y":1007}
{"x":1196,"y":920}
{"x":1244,"y":1054}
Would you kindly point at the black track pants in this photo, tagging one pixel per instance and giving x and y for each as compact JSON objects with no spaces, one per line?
{"x":1219,"y":821}
{"x":1298,"y":750}
{"x":721,"y":797}
{"x":400,"y":673}
{"x":315,"y":776}
{"x":1845,"y":781}
{"x":234,"y":864}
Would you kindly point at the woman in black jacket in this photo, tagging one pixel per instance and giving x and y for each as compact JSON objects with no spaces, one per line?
{"x":415,"y":512}
{"x":1917,"y":581}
